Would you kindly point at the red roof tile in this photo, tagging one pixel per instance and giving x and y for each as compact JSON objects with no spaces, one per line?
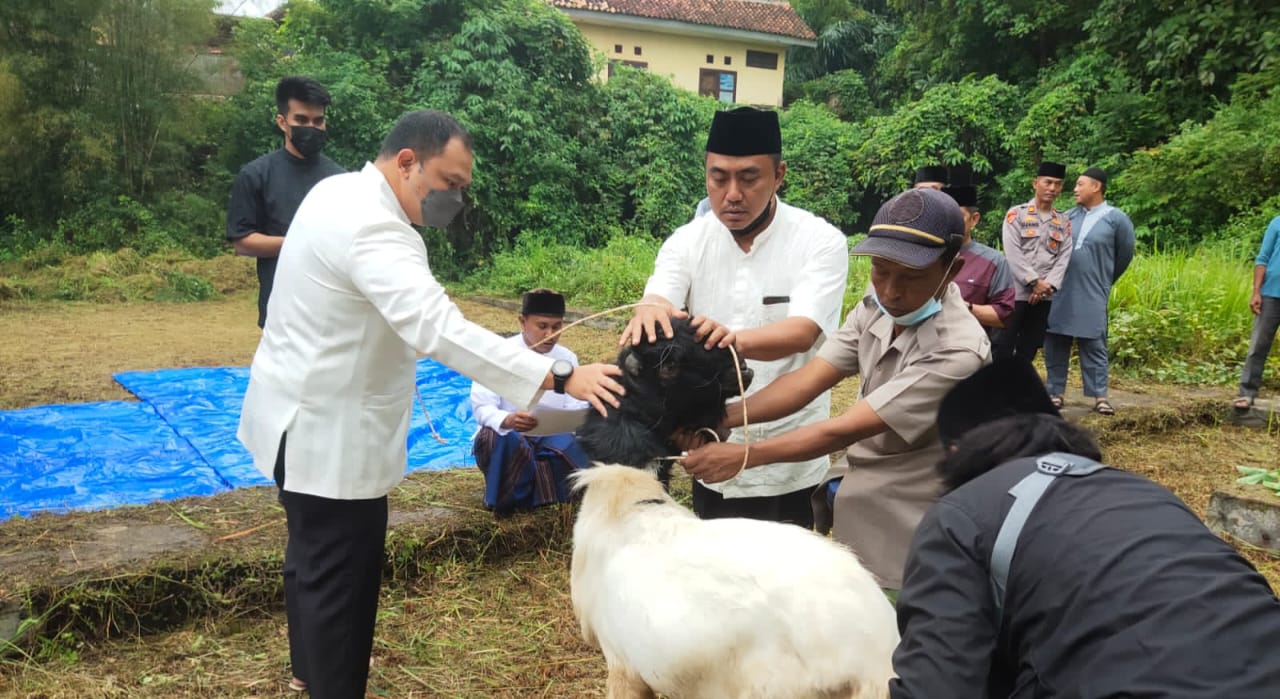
{"x":763,"y":16}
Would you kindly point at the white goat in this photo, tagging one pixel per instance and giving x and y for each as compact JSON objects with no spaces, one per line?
{"x":725,"y":608}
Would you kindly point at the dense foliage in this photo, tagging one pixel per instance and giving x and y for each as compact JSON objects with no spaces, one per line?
{"x":112,"y":136}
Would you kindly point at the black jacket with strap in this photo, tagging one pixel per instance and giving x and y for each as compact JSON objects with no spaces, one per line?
{"x":1115,"y":589}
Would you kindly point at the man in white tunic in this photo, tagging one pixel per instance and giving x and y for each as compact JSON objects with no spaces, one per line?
{"x":521,"y":470}
{"x":354,"y":303}
{"x":772,"y":274}
{"x":1103,"y":248}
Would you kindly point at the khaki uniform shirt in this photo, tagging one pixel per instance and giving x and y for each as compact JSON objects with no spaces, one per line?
{"x":1037,"y":245}
{"x":889,"y":479}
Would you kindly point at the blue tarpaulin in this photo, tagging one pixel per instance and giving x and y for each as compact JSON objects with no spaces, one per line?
{"x":181,"y":440}
{"x":93,"y":456}
{"x":203,"y":408}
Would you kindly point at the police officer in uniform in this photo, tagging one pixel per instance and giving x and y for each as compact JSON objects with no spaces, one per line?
{"x":1037,"y":244}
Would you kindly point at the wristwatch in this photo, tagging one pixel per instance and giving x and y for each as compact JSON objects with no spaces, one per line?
{"x":560,"y":373}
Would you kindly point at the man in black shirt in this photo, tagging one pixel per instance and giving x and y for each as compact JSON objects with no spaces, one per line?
{"x":268,"y":190}
{"x":1110,"y":587}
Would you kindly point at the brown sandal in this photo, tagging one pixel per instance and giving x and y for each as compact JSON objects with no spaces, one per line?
{"x":1058,"y":401}
{"x":1103,"y":407}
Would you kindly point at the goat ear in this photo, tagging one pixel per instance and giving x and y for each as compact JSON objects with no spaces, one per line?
{"x":632,"y":365}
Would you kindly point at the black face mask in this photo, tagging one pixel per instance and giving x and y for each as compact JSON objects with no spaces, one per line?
{"x":307,"y":139}
{"x":754,"y":225}
{"x":440,"y":206}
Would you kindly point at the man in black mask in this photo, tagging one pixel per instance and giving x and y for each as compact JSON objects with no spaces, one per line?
{"x":769,"y":272}
{"x":267,"y":191}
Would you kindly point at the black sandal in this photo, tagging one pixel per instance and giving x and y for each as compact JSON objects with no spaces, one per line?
{"x":1103,"y":407}
{"x":1242,"y":403}
{"x":1058,"y":401}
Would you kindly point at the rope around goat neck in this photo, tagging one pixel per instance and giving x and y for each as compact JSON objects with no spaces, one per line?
{"x":737,"y":367}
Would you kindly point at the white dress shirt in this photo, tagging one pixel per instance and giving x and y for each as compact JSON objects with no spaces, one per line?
{"x":490,"y":409}
{"x":354,"y":303}
{"x":797,"y":267}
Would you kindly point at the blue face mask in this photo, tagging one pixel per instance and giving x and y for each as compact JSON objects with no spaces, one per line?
{"x":916,"y":317}
{"x":931,"y":307}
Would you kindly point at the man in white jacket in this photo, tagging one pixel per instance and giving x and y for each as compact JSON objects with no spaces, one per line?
{"x":327,"y":410}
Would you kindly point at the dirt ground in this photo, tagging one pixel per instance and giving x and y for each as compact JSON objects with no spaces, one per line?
{"x":466,"y":627}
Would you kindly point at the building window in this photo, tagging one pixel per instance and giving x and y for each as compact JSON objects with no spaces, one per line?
{"x":728,"y":60}
{"x":762,"y":59}
{"x":637,"y":50}
{"x":711,"y":58}
{"x":634,"y":64}
{"x":720,"y":84}
{"x":617,"y":48}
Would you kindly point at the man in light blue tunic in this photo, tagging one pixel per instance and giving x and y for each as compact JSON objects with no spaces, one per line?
{"x":1104,"y":243}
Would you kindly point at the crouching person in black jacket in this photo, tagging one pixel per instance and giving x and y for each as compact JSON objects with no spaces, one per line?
{"x":1084,"y":582}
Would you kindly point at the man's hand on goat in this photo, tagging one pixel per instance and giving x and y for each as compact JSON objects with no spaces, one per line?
{"x":711,"y":333}
{"x":714,"y":463}
{"x":594,"y":384}
{"x":520,"y":421}
{"x":649,"y":320}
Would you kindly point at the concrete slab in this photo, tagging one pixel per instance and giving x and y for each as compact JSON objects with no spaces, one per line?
{"x":1265,"y":414}
{"x":1250,"y":514}
{"x":213,"y":552}
{"x":128,"y":541}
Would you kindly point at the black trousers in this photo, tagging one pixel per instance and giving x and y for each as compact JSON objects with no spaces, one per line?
{"x":1023,"y":335}
{"x":332,"y":575}
{"x":791,"y":508}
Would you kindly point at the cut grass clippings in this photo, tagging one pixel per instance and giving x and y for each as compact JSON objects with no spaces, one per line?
{"x":477,"y":608}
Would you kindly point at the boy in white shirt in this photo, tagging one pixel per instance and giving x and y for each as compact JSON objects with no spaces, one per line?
{"x":523,"y":471}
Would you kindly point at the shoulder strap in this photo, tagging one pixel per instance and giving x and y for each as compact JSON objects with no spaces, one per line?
{"x":1027,"y":493}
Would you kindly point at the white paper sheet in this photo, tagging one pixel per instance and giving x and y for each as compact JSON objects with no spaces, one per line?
{"x":556,"y":421}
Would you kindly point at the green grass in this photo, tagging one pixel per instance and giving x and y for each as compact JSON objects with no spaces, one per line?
{"x":1176,"y":316}
{"x":1183,"y":317}
{"x":596,"y":278}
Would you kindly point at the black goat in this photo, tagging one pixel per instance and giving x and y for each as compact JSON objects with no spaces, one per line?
{"x":672,"y":383}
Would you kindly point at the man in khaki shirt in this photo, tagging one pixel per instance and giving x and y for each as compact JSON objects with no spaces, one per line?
{"x":911,"y":339}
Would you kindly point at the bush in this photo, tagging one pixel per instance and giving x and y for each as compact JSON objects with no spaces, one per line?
{"x":599,"y":278}
{"x":844,"y":92}
{"x":1183,"y":316}
{"x":181,"y":287}
{"x":820,"y":169}
{"x":965,"y":122}
{"x":1182,"y":191}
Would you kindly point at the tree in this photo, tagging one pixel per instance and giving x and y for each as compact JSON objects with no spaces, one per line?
{"x":143,"y":54}
{"x":99,"y":104}
{"x":965,"y":122}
